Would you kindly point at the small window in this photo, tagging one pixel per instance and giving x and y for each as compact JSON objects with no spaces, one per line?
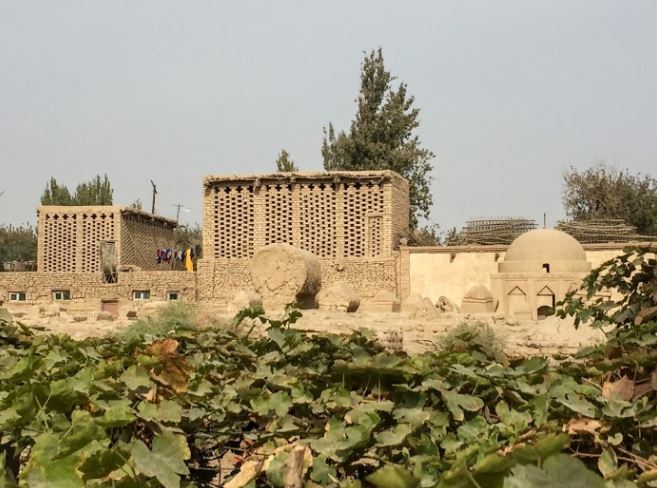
{"x":141,"y":295}
{"x":17,"y":296}
{"x":173,"y":295}
{"x":59,"y":295}
{"x":546,"y":267}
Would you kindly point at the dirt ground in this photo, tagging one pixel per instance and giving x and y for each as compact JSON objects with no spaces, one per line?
{"x":409,"y":331}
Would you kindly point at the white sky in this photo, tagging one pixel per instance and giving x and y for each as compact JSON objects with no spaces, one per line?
{"x":511,"y":93}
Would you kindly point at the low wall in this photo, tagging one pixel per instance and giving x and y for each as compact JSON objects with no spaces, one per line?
{"x":85,"y":287}
{"x":220,"y":279}
{"x":450,"y":271}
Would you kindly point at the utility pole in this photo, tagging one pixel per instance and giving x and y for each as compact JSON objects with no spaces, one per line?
{"x":154,"y":193}
{"x":178,"y":207}
{"x":545,"y":220}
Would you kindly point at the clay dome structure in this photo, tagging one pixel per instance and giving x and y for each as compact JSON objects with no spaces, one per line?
{"x":538,"y":269}
{"x":478,"y":299}
{"x":545,"y":250}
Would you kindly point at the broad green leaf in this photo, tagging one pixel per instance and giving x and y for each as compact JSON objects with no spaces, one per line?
{"x":44,"y":471}
{"x":165,"y":461}
{"x":276,"y":469}
{"x":165,"y":411}
{"x":83,"y":431}
{"x":579,"y":405}
{"x":118,"y":414}
{"x":394,"y":436}
{"x":136,"y":378}
{"x":558,"y":471}
{"x":514,"y":421}
{"x":393,"y":476}
{"x":102,"y":463}
{"x":456,"y":402}
{"x":607,"y":463}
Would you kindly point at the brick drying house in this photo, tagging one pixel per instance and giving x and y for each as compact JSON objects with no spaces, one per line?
{"x":72,"y":238}
{"x":351,"y":220}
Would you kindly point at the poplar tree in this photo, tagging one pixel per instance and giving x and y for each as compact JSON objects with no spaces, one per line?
{"x":284,"y":163}
{"x":382,"y":135}
{"x":97,"y":191}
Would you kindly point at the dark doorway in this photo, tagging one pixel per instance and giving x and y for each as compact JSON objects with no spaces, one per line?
{"x":543,"y":311}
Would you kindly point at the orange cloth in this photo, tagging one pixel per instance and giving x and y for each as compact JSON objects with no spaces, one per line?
{"x":189,"y":264}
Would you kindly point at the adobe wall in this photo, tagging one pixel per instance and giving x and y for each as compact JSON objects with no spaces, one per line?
{"x":88,"y":287}
{"x":220,"y":279}
{"x":141,"y":237}
{"x":331,"y":214}
{"x":69,"y":237}
{"x":451,"y":271}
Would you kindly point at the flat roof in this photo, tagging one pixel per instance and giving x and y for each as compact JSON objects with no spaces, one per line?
{"x":71,"y":209}
{"x":303,"y":175}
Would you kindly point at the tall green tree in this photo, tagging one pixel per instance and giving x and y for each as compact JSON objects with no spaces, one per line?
{"x":17,"y":243}
{"x":56,"y":194}
{"x":97,"y":191}
{"x":284,"y":163}
{"x":603,"y":191}
{"x":382,"y":135}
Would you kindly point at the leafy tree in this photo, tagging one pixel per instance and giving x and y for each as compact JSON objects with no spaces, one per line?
{"x":97,"y":191}
{"x":17,"y":244}
{"x":284,"y":163}
{"x":186,"y":236}
{"x":606,"y":192}
{"x":137,"y":204}
{"x":56,"y":194}
{"x":382,"y":135}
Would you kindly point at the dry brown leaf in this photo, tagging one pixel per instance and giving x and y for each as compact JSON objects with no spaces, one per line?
{"x":163,"y":347}
{"x":581,"y":426}
{"x":642,"y":389}
{"x":174,"y":370}
{"x":249,"y":471}
{"x":653,"y":379}
{"x":227,"y":465}
{"x":151,"y":396}
{"x":645,"y":314}
{"x":622,"y":389}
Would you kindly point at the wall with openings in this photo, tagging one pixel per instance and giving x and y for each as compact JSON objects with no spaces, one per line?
{"x":69,"y":237}
{"x":140,"y":237}
{"x":89,"y":287}
{"x":333,"y":215}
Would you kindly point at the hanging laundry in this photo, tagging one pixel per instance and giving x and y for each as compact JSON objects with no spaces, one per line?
{"x":189,"y":264}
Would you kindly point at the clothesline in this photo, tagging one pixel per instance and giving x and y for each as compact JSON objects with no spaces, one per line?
{"x":186,"y":256}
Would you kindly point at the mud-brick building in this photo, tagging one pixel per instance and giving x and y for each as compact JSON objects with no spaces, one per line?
{"x":351,"y":220}
{"x":85,"y":239}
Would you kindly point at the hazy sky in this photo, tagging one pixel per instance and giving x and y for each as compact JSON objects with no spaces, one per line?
{"x":511,"y":93}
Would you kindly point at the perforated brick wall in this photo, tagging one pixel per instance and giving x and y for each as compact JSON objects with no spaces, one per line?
{"x":57,"y":241}
{"x":141,"y":236}
{"x":69,"y":237}
{"x":229,"y":220}
{"x":318,"y":214}
{"x":333,"y":215}
{"x":96,"y":226}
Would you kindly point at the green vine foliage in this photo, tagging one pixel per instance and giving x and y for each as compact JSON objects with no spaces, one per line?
{"x":233,"y":407}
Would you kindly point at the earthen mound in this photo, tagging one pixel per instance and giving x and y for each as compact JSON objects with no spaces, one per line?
{"x":282,"y":274}
{"x":340,"y":297}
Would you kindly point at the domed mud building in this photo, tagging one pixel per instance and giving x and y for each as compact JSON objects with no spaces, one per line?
{"x":537,"y":271}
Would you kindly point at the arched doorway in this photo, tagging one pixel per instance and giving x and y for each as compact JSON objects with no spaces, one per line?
{"x":545,"y":301}
{"x":516,"y":301}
